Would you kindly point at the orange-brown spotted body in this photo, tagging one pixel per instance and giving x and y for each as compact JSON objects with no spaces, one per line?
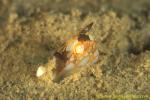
{"x":78,"y":51}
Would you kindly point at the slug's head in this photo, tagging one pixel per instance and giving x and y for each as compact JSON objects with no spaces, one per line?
{"x":80,"y":45}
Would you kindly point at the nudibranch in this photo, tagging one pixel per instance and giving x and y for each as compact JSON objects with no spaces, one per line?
{"x":78,"y":51}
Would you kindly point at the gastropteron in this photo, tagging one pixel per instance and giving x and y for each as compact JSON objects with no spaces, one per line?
{"x":79,"y":51}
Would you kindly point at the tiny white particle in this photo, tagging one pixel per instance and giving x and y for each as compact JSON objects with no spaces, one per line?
{"x":40,"y":71}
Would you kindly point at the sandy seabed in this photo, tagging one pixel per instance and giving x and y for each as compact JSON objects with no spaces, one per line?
{"x":31,"y":31}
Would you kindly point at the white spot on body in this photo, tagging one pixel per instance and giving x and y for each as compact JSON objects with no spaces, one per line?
{"x":79,"y":49}
{"x":71,"y":45}
{"x":96,"y":55}
{"x":84,"y":61}
{"x":69,"y":67}
{"x":91,"y":37}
